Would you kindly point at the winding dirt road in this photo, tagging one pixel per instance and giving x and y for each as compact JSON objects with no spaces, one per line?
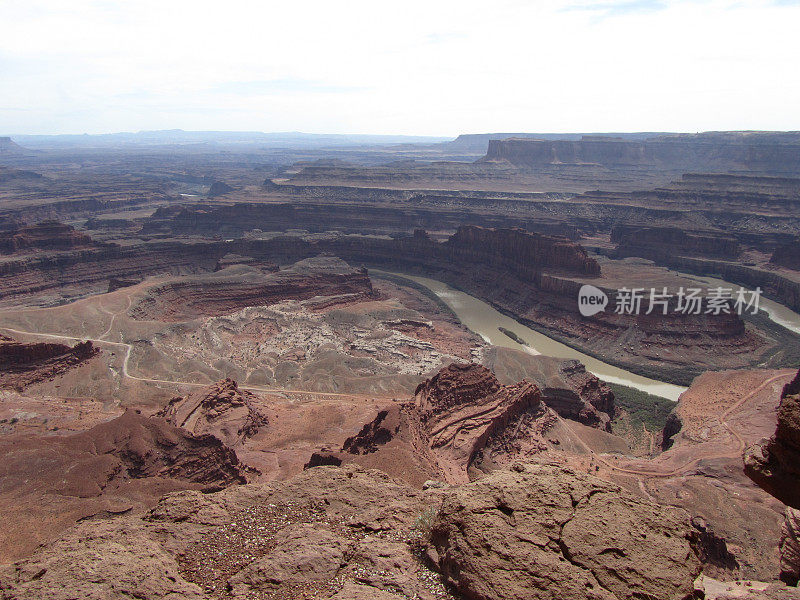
{"x":126,"y":372}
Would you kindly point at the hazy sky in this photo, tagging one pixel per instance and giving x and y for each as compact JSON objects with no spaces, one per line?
{"x":412,"y":67}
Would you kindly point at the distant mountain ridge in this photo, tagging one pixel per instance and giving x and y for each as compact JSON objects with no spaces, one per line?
{"x":181,"y":137}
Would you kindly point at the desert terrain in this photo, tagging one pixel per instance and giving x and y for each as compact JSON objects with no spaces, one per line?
{"x":223,"y":375}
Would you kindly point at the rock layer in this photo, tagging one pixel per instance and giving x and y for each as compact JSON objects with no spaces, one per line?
{"x":23,"y":364}
{"x":47,"y":235}
{"x":236,"y":287}
{"x":774,"y":153}
{"x":461,"y":419}
{"x":790,"y":547}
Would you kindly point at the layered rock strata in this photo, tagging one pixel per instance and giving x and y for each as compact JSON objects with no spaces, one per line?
{"x":23,"y":364}
{"x":764,"y":152}
{"x":461,"y":422}
{"x":47,"y":235}
{"x":239,"y":286}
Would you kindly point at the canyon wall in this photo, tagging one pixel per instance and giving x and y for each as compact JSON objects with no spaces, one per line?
{"x":533,"y":277}
{"x":239,"y":286}
{"x":656,"y":242}
{"x":47,"y":235}
{"x":375,"y":215}
{"x":774,"y":464}
{"x":787,"y":255}
{"x":769,"y":153}
{"x":22,"y":364}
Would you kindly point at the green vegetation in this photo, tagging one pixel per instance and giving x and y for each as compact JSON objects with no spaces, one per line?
{"x":423,"y":524}
{"x":643,"y":409}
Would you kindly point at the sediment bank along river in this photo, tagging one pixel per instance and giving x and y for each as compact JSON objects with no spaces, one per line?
{"x":484,"y":320}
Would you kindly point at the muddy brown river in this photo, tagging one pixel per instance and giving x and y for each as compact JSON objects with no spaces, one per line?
{"x":484,"y":320}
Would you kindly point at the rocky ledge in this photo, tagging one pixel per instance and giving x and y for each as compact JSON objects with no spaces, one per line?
{"x":535,"y":532}
{"x":48,"y":235}
{"x":50,"y":482}
{"x":238,"y":286}
{"x":774,"y":464}
{"x":23,"y":364}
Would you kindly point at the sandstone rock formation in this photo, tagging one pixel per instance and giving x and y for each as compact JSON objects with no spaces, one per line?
{"x":461,"y":424}
{"x":219,"y":188}
{"x":339,"y":533}
{"x":662,"y":243}
{"x":22,"y":364}
{"x":463,"y":407}
{"x":723,"y":151}
{"x":221,"y":410}
{"x":346,"y":533}
{"x":534,"y":277}
{"x":790,"y":547}
{"x":566,"y":386}
{"x":774,"y":464}
{"x":521,"y":252}
{"x":48,"y":235}
{"x":547,"y":532}
{"x":47,"y":483}
{"x":239,"y":286}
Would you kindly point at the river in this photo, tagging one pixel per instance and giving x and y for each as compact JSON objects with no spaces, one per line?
{"x":484,"y":320}
{"x":778,"y":313}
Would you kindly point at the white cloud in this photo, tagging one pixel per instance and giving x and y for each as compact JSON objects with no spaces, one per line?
{"x":404,"y":67}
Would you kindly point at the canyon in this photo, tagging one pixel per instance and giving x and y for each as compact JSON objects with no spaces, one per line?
{"x":222,"y":375}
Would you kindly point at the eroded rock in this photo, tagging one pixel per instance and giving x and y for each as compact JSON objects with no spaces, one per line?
{"x":220,"y":409}
{"x":774,"y":464}
{"x":23,"y":364}
{"x":461,"y":418}
{"x":547,"y":532}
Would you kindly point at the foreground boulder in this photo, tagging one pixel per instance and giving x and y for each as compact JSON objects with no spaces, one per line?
{"x":341,"y":533}
{"x":545,"y":532}
{"x":774,"y":464}
{"x":346,"y":533}
{"x":790,"y":547}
